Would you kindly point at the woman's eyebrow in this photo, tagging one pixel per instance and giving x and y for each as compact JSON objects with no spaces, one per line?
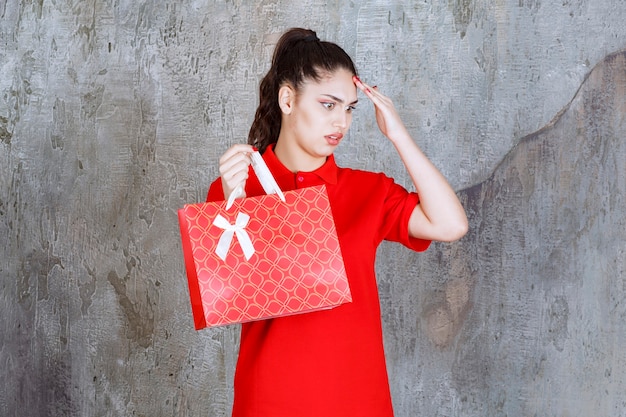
{"x":337,"y":99}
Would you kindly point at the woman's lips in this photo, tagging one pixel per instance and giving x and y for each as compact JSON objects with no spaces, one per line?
{"x":334,"y":139}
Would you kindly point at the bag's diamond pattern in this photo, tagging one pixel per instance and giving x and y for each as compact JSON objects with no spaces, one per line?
{"x":296,"y":267}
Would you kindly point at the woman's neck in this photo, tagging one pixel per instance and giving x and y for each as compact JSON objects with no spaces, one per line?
{"x":296,"y":159}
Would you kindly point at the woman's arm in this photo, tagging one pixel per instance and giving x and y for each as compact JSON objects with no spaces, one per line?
{"x":439,"y":214}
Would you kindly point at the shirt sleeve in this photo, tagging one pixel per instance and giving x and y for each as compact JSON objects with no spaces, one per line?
{"x":399,"y":206}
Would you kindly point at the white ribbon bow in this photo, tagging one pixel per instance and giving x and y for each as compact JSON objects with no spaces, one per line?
{"x":227,"y":237}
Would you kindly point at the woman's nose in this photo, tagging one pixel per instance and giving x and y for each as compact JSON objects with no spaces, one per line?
{"x":342,"y":120}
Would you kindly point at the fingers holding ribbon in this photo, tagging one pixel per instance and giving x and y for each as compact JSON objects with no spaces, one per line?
{"x":233,"y":168}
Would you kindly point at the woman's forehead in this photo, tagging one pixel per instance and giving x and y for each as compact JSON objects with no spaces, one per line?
{"x":337,"y":82}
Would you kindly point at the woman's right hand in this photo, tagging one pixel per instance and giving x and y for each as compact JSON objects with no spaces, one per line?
{"x":234,"y":169}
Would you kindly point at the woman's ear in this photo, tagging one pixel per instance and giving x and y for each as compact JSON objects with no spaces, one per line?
{"x":286,"y":98}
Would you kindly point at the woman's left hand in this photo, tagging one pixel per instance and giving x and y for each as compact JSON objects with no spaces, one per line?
{"x":387,"y":117}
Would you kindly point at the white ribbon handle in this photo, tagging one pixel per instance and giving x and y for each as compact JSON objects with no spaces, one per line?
{"x":238,"y":192}
{"x":223,"y":245}
{"x":265,"y":176}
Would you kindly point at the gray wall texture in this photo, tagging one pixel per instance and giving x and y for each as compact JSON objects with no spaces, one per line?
{"x":113,"y":115}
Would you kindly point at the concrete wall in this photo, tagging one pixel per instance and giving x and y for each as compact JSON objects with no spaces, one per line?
{"x":113,"y":115}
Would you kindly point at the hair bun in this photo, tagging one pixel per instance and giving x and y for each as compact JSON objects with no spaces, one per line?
{"x":311,"y":38}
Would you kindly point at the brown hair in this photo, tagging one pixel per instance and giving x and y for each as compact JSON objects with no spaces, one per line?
{"x":299,"y":55}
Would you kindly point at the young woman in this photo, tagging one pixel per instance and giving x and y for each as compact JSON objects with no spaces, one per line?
{"x":330,"y":363}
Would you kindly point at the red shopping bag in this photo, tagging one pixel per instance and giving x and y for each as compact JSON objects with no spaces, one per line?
{"x":262,"y":258}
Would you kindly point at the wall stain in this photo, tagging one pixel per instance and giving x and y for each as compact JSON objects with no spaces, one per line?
{"x":463,"y":12}
{"x":532,"y":5}
{"x":6,"y":130}
{"x":87,"y":290}
{"x":18,"y":96}
{"x":36,"y":265}
{"x":140,"y":320}
{"x":58,"y":387}
{"x":558,"y":316}
{"x":445,"y":319}
{"x":87,"y":30}
{"x":91,"y":101}
{"x":59,"y":121}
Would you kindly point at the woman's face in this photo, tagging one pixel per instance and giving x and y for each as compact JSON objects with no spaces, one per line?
{"x":318,"y":118}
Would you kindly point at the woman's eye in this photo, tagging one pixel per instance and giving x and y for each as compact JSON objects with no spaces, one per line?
{"x":328,"y":105}
{"x":350,"y":109}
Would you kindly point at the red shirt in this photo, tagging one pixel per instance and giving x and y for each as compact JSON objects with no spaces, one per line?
{"x":328,"y":363}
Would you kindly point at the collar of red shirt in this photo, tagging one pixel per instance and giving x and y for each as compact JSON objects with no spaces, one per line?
{"x":327,"y":173}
